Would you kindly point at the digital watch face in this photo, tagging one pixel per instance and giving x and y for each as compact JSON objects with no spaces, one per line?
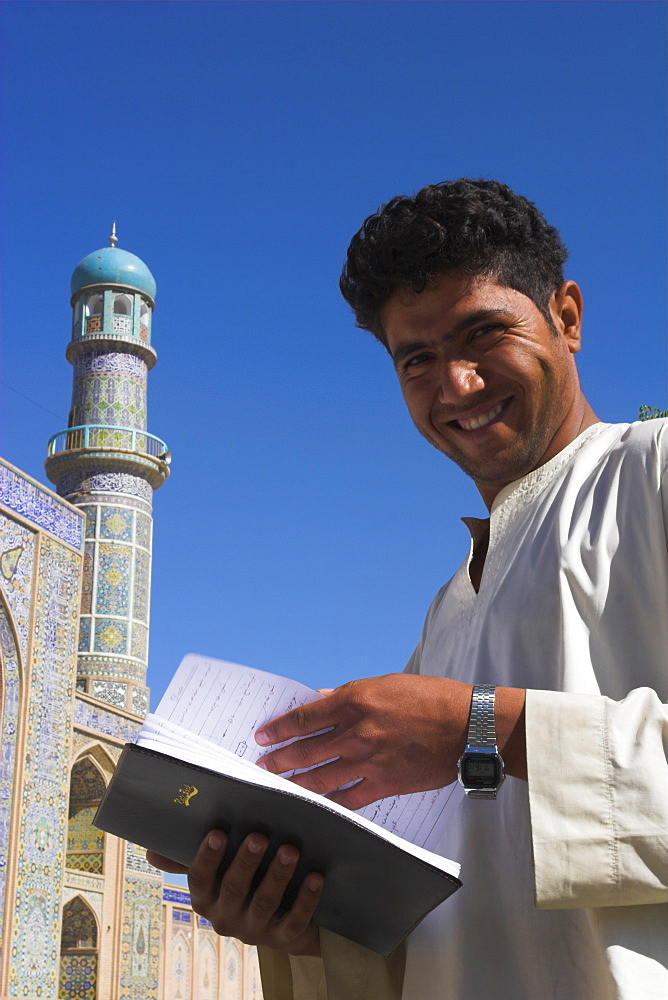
{"x":480,"y":771}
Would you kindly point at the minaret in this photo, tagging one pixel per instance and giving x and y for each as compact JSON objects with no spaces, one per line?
{"x":107,"y":464}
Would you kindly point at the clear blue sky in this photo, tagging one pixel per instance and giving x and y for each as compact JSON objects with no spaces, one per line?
{"x":238,"y":146}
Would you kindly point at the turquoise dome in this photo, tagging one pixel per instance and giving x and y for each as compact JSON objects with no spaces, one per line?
{"x":111,"y":266}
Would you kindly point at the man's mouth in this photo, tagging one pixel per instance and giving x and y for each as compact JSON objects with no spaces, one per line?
{"x":481,"y":420}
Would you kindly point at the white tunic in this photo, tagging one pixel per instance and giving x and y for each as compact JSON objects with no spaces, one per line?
{"x":565,"y":877}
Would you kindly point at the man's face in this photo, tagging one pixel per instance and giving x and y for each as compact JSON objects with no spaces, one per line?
{"x":486,"y":379}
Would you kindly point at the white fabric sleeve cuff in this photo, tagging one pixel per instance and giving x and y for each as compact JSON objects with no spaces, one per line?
{"x":598,"y":795}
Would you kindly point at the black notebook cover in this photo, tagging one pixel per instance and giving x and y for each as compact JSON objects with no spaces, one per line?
{"x":374,"y":892}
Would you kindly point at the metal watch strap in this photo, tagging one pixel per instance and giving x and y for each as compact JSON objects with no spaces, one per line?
{"x":482,"y":731}
{"x":481,"y":749}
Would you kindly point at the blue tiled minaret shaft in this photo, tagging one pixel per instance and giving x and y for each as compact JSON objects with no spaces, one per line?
{"x":107,"y":464}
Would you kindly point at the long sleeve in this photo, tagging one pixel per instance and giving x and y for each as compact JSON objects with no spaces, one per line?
{"x":347,"y":971}
{"x":598,"y":795}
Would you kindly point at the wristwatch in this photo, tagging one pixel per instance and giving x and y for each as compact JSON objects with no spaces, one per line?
{"x":480,"y":767}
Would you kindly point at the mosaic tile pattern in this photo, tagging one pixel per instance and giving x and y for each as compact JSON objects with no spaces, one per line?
{"x":140,"y":701}
{"x":139,"y":647}
{"x":140,"y":938}
{"x":85,"y":843}
{"x":112,"y":595}
{"x":91,"y":519}
{"x":143,"y":531}
{"x":135,"y":861}
{"x":113,"y":667}
{"x":88,"y":577}
{"x":105,"y":482}
{"x":88,"y":882}
{"x":78,"y":977}
{"x":116,"y":523}
{"x":142,"y":582}
{"x":79,"y":925}
{"x":97,"y":718}
{"x":110,"y":388}
{"x":84,"y":636}
{"x":41,"y":841}
{"x":111,"y":635}
{"x":175,"y":896}
{"x":32,"y":502}
{"x":180,"y":961}
{"x":98,"y":362}
{"x":17,"y":558}
{"x":84,"y":741}
{"x":9,"y":714}
{"x":207,"y":971}
{"x":113,"y":692}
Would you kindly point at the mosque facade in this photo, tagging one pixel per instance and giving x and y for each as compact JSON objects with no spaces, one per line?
{"x":83,"y":916}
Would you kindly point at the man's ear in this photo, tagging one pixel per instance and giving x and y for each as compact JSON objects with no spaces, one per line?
{"x":566,"y":310}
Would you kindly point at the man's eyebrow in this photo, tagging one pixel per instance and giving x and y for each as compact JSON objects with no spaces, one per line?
{"x":472,"y":319}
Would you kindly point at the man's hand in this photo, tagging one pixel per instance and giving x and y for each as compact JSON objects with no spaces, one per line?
{"x":392,"y":734}
{"x":227,"y":902}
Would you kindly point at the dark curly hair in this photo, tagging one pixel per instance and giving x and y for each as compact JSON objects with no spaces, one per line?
{"x":474,"y":227}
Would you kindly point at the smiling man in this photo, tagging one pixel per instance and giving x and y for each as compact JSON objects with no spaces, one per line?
{"x":542,"y":660}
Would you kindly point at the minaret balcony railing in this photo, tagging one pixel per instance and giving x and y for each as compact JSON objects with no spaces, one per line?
{"x":108,"y":437}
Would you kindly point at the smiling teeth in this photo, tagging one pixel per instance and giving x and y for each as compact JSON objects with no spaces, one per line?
{"x":481,"y":421}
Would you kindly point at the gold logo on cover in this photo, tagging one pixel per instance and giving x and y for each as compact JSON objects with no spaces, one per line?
{"x":186,"y":794}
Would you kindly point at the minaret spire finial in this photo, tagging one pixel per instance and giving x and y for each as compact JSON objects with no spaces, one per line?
{"x":113,"y":239}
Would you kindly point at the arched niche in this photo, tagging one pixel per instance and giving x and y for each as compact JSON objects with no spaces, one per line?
{"x":94,"y":304}
{"x":122,"y":305}
{"x":78,"y":951}
{"x":85,"y":843}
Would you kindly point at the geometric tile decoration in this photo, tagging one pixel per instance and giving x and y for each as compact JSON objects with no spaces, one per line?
{"x":91,"y":520}
{"x":84,"y":636}
{"x":176,"y":896}
{"x":79,"y":925}
{"x":139,"y":648}
{"x":140,"y":938}
{"x":143,"y":531}
{"x":39,"y":847}
{"x":142,"y":573}
{"x":140,"y":701}
{"x":78,"y":952}
{"x":85,"y":843}
{"x":17,"y":551}
{"x":208,"y":971}
{"x":116,"y":523}
{"x":113,"y":692}
{"x":180,"y":959}
{"x":9,"y":711}
{"x":93,"y":717}
{"x":31,"y":501}
{"x":93,"y":481}
{"x":113,"y":579}
{"x":88,"y":573}
{"x":78,"y":976}
{"x":111,"y":636}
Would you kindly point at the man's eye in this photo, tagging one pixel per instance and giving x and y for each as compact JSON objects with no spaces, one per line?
{"x":417,"y":359}
{"x":482,"y":330}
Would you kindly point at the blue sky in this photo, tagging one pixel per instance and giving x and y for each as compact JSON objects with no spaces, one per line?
{"x":238,"y":146}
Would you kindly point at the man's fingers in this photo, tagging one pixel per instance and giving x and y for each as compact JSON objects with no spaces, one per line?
{"x":268,"y":895}
{"x":297,"y":920}
{"x":301,"y":721}
{"x":328,"y":777}
{"x":361,"y":794}
{"x":236,"y":883}
{"x":202,"y":874}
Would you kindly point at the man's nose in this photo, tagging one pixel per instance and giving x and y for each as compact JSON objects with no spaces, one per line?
{"x":458,"y":380}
